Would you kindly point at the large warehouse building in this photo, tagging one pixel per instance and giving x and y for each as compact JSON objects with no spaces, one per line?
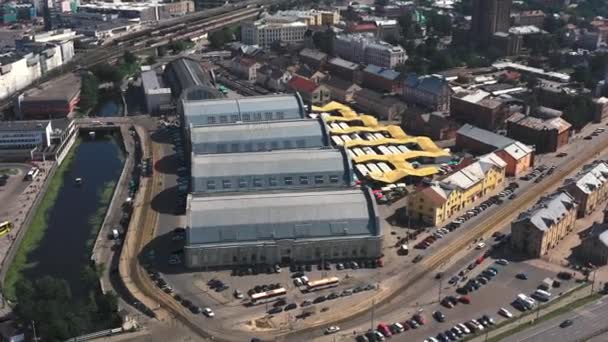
{"x":281,"y":228}
{"x":287,"y":169}
{"x":247,"y":109}
{"x":258,"y":136}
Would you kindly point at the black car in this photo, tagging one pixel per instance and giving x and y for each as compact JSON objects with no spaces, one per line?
{"x":280,"y":302}
{"x":290,"y":306}
{"x":417,"y":258}
{"x":439,"y":316}
{"x":441,"y":337}
{"x":566,"y":323}
{"x":451,"y":335}
{"x":297,"y":275}
{"x":275,"y":310}
{"x":320,"y":299}
{"x":333,"y":295}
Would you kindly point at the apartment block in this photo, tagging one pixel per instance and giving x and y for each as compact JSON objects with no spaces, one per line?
{"x":367,"y":49}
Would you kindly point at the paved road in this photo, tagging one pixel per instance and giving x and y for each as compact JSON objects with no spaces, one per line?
{"x":587,"y":320}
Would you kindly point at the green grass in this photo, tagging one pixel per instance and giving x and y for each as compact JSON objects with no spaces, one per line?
{"x":9,"y":171}
{"x":551,"y":314}
{"x":95,"y":222}
{"x":38,"y":226}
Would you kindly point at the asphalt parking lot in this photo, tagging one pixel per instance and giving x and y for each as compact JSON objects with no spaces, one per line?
{"x":499,"y":292}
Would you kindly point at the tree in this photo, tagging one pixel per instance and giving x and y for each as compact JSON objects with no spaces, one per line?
{"x":438,"y":23}
{"x":151,"y":60}
{"x":580,"y":111}
{"x":218,"y":38}
{"x":107,"y":73}
{"x":129,"y":58}
{"x":89,"y":92}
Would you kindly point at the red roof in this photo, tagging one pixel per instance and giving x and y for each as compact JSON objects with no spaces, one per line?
{"x":433,"y":196}
{"x":363,"y":27}
{"x":302,"y":84}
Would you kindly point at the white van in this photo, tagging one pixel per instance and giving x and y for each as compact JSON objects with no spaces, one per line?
{"x":115,"y":234}
{"x":403,"y":250}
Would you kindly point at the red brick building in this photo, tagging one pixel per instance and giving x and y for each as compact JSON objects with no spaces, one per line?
{"x":382,"y":79}
{"x":546,"y":135}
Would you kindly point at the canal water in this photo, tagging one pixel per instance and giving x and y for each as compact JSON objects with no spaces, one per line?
{"x":108,"y":108}
{"x":74,"y":220}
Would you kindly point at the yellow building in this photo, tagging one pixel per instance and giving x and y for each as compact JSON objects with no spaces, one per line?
{"x":437,"y":203}
{"x":541,"y":228}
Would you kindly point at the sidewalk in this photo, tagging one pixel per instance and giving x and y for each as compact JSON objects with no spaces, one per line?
{"x":530,"y":317}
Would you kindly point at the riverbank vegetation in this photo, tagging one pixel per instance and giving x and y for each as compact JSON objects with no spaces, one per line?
{"x":38,"y":226}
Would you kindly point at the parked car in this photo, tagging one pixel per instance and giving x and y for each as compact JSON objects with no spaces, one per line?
{"x":332,"y":329}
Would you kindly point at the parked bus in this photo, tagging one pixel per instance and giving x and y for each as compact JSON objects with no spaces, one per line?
{"x":32,"y":173}
{"x":268,"y":296}
{"x":322,"y":284}
{"x":5,"y":227}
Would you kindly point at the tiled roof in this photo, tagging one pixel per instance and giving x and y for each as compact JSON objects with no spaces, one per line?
{"x":548,"y":211}
{"x":517,"y":150}
{"x":535,"y":123}
{"x":302,"y":84}
{"x":474,"y":173}
{"x":338,"y":83}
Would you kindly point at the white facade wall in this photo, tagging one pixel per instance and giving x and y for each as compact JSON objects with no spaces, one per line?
{"x":50,"y":59}
{"x":265,"y":34}
{"x":18,"y":75}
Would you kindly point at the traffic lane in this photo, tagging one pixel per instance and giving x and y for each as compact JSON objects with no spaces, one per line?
{"x":586,"y":321}
{"x":499,"y":292}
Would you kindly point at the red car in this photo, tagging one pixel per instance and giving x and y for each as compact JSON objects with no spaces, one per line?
{"x":464,"y":299}
{"x":384,"y":330}
{"x":419,"y":318}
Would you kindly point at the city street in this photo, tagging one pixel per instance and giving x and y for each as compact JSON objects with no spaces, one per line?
{"x":586,"y":321}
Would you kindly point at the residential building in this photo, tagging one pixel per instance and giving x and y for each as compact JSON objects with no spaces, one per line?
{"x":430,"y":91}
{"x":157,"y":94}
{"x":435,"y":125}
{"x":534,"y":17}
{"x":281,"y":228}
{"x":382,"y":79}
{"x":489,"y":17}
{"x":245,"y":68}
{"x":594,"y":245}
{"x":546,"y":135}
{"x":272,"y":77}
{"x":379,"y":105}
{"x":268,"y":30}
{"x":507,"y":44}
{"x":273,"y":170}
{"x":344,"y":69}
{"x":313,"y":58}
{"x":365,"y":48}
{"x":313,"y":74}
{"x":313,"y":17}
{"x":312,"y":93}
{"x":541,"y":228}
{"x":437,"y":203}
{"x":601,"y":109}
{"x":478,"y":108}
{"x":246,"y":109}
{"x":341,"y":90}
{"x":518,"y":156}
{"x":258,"y":136}
{"x":589,"y":187}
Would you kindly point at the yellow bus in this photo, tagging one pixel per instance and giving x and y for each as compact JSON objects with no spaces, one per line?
{"x":5,"y":227}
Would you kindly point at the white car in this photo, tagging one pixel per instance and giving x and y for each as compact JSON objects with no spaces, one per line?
{"x":463,"y":328}
{"x":502,"y":262}
{"x":480,"y":245}
{"x":332,"y":330}
{"x":208,"y":312}
{"x":297,"y":282}
{"x":505,"y":313}
{"x":304,"y":279}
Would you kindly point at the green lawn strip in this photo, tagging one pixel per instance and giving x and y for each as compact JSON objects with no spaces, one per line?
{"x":38,"y":226}
{"x":524,"y":315}
{"x":552,"y":314}
{"x":9,"y":171}
{"x":96,"y":221}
